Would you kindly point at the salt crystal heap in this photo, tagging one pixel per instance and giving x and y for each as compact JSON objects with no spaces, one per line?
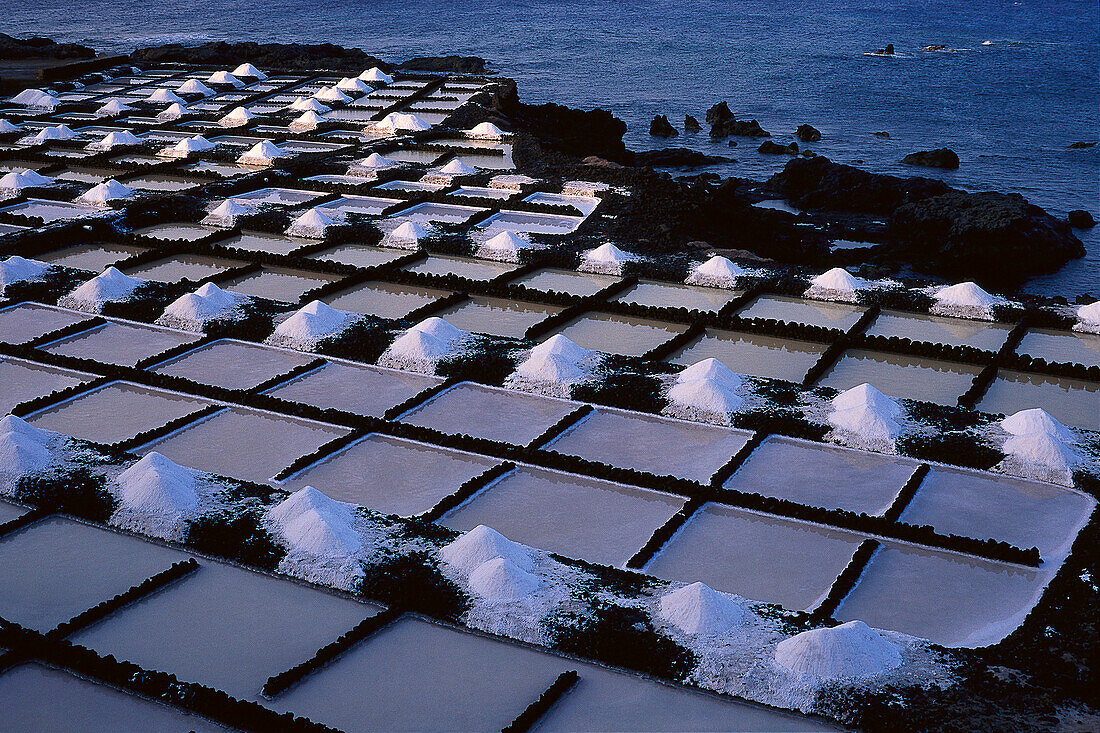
{"x":865,"y":417}
{"x":320,"y":536}
{"x":262,"y":153}
{"x":705,"y":391}
{"x":965,"y":300}
{"x":250,"y":71}
{"x":115,"y":140}
{"x":496,"y":568}
{"x":104,"y":193}
{"x":697,"y":609}
{"x":113,"y":108}
{"x":24,"y":450}
{"x":8,"y":127}
{"x":1039,"y":447}
{"x":161,"y":96}
{"x":850,"y":651}
{"x":485,"y":131}
{"x":224,"y":78}
{"x":187,"y":147}
{"x":312,"y":224}
{"x":1088,"y":318}
{"x":18,"y":180}
{"x":505,"y":246}
{"x":194,"y":86}
{"x":154,"y":497}
{"x":18,"y":269}
{"x":35,"y":99}
{"x":60,"y":132}
{"x":308,"y":104}
{"x":406,"y":235}
{"x":225,"y":214}
{"x":454,"y":168}
{"x":836,"y":284}
{"x":607,"y":259}
{"x":111,"y":285}
{"x":191,"y":311}
{"x":554,"y":367}
{"x":423,"y":346}
{"x":174,"y":112}
{"x":354,"y":85}
{"x":309,"y":325}
{"x":332,"y":95}
{"x":717,"y":272}
{"x":238,"y":117}
{"x":370,"y":166}
{"x":399,"y":122}
{"x":307,"y":121}
{"x":376,"y":76}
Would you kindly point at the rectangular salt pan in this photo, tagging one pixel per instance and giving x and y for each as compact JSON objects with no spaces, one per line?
{"x":22,"y":380}
{"x":357,"y":388}
{"x":753,"y":354}
{"x":123,"y":344}
{"x":232,"y":364}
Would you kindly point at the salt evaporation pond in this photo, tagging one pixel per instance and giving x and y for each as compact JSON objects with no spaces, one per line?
{"x":898,"y":375}
{"x":1061,"y":346}
{"x":279,"y":283}
{"x":9,"y":511}
{"x":123,"y":344}
{"x":529,"y":222}
{"x":620,"y":334}
{"x":496,"y":316}
{"x":347,"y":204}
{"x":465,"y":267}
{"x":391,"y":475}
{"x":91,"y":257}
{"x":26,"y":321}
{"x":116,"y":411}
{"x":482,"y":192}
{"x":357,"y":388}
{"x":225,"y":627}
{"x":585,"y":204}
{"x":163,"y":182}
{"x":53,"y":211}
{"x":383,"y":299}
{"x":575,"y":516}
{"x":753,"y":354}
{"x":517,"y":417}
{"x":226,"y":170}
{"x":473,"y":682}
{"x":550,"y":280}
{"x":35,"y":697}
{"x":271,"y":243}
{"x":951,"y":599}
{"x":183,"y":267}
{"x":358,"y":255}
{"x":22,"y":380}
{"x":1022,"y":513}
{"x":57,"y":568}
{"x":242,"y":443}
{"x":940,"y":330}
{"x":176,"y":232}
{"x":825,"y":476}
{"x":232,"y":364}
{"x":428,"y":213}
{"x":674,"y":295}
{"x":727,"y":548}
{"x":638,"y":441}
{"x":809,"y":312}
{"x":1071,"y":401}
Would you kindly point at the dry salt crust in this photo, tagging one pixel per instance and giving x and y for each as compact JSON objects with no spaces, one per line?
{"x":310,"y":325}
{"x":554,"y":368}
{"x":191,"y":311}
{"x":112,"y":285}
{"x":422,"y":347}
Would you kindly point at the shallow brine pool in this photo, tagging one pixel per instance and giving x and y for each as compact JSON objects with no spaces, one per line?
{"x":753,"y":354}
{"x":616,"y":334}
{"x":497,"y":317}
{"x":898,"y":375}
{"x":232,"y":364}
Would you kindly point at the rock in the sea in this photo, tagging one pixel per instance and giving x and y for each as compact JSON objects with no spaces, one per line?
{"x":881,"y":133}
{"x":691,"y":124}
{"x":41,"y":48}
{"x":741,"y":128}
{"x":661,"y":127}
{"x":888,"y":51}
{"x":819,"y":183}
{"x":719,"y":113}
{"x":938,"y":158}
{"x":808,"y":133}
{"x":1080,"y":145}
{"x":678,"y":158}
{"x":1080,"y":219}
{"x":770,"y":148}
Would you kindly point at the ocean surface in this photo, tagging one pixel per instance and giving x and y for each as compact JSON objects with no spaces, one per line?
{"x":1020,"y":84}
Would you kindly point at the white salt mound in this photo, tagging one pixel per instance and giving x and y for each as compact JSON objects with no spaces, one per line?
{"x":13,"y":425}
{"x":1089,"y":318}
{"x":105,"y":192}
{"x":225,"y":213}
{"x":965,"y":299}
{"x":157,"y":487}
{"x":112,"y":284}
{"x":115,"y":140}
{"x":374,"y":160}
{"x":27,"y":96}
{"x":563,"y":346}
{"x":262,"y":153}
{"x":439,"y":328}
{"x":309,"y":120}
{"x":309,"y":104}
{"x":1042,"y":449}
{"x":196,"y":144}
{"x":506,"y":241}
{"x":718,"y":271}
{"x":1036,"y":420}
{"x":60,"y":132}
{"x":482,"y":544}
{"x":606,"y":259}
{"x":237,"y":117}
{"x":457,"y":168}
{"x":706,"y":396}
{"x":485,"y":131}
{"x":357,"y":85}
{"x":6,"y":127}
{"x":312,"y":223}
{"x":21,"y":455}
{"x":551,"y":368}
{"x":311,"y":323}
{"x":250,"y":71}
{"x":194,"y":86}
{"x":500,"y":579}
{"x":399,"y":121}
{"x":18,"y":180}
{"x":374,"y":74}
{"x":409,"y":231}
{"x":206,"y":303}
{"x":851,"y":650}
{"x":838,"y":279}
{"x":711,"y":370}
{"x":165,"y":95}
{"x":225,"y":78}
{"x":314,"y":524}
{"x":113,"y":108}
{"x":17,"y":269}
{"x":866,"y":412}
{"x":332,"y":94}
{"x":174,"y":112}
{"x":699,"y":609}
{"x":423,"y":345}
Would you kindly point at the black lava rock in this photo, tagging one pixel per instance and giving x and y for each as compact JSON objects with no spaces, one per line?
{"x":41,"y":48}
{"x":691,"y":124}
{"x":265,"y":55}
{"x":678,"y":158}
{"x":1080,"y":145}
{"x":888,"y":51}
{"x":808,"y":133}
{"x":882,"y":133}
{"x":719,"y":113}
{"x":741,"y":128}
{"x":1080,"y":219}
{"x":770,"y":148}
{"x":819,"y":183}
{"x":661,"y":127}
{"x":938,"y":158}
{"x":446,"y":64}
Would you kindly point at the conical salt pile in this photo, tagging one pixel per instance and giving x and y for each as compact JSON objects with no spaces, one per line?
{"x":717,"y":272}
{"x":250,"y":71}
{"x":165,"y":95}
{"x":18,"y":180}
{"x":104,"y":193}
{"x":1040,"y":447}
{"x":607,"y":259}
{"x":1088,"y":318}
{"x":851,"y":650}
{"x":111,"y":285}
{"x":482,"y":544}
{"x":966,"y":300}
{"x":27,"y":97}
{"x":711,"y":370}
{"x":551,"y":368}
{"x":307,"y":121}
{"x":13,"y":425}
{"x":500,"y":579}
{"x":17,"y":269}
{"x":312,"y":224}
{"x":1042,"y":450}
{"x":355,"y":85}
{"x":20,"y":455}
{"x":115,"y":140}
{"x":113,"y":108}
{"x":485,"y":131}
{"x":564,"y":347}
{"x":60,"y":132}
{"x":191,"y":310}
{"x":368,"y":167}
{"x":836,"y":284}
{"x":709,"y":387}
{"x":314,"y":524}
{"x":866,"y":412}
{"x":332,"y":94}
{"x":699,"y":609}
{"x":174,"y":112}
{"x":225,"y":79}
{"x":423,"y":346}
{"x":188,"y":146}
{"x":1035,"y":420}
{"x":554,"y":367}
{"x":457,"y":168}
{"x":310,"y":324}
{"x":8,"y":127}
{"x":398,"y":121}
{"x":309,"y":104}
{"x":406,"y":235}
{"x":157,"y":487}
{"x":225,"y":214}
{"x":505,"y":246}
{"x":237,"y":117}
{"x":377,"y":76}
{"x":194,"y":86}
{"x":262,"y":153}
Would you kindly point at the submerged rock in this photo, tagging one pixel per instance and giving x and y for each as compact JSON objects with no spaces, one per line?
{"x":938,"y":158}
{"x":661,"y":127}
{"x":808,"y":133}
{"x":881,"y":133}
{"x":1080,"y":219}
{"x":678,"y":158}
{"x":770,"y":148}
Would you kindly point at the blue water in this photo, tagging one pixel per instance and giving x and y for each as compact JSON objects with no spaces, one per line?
{"x":1009,"y":109}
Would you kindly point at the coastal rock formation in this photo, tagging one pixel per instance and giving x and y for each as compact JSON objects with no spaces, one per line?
{"x":770,"y":148}
{"x":1080,"y":145}
{"x":718,"y":113}
{"x":39,"y":47}
{"x":938,"y":158}
{"x":1080,"y":219}
{"x":263,"y":55}
{"x":819,"y":183}
{"x":661,"y":127}
{"x":723,"y":123}
{"x":808,"y":133}
{"x":678,"y":158}
{"x":882,"y":134}
{"x":888,"y":51}
{"x":691,"y":124}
